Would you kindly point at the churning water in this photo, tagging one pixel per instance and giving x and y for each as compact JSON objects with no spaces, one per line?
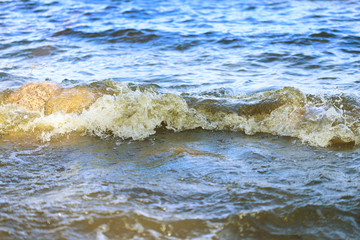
{"x":221,"y":120}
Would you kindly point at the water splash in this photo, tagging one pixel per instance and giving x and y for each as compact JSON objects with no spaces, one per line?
{"x":137,"y":113}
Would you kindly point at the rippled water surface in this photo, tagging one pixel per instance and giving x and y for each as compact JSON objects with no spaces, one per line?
{"x":217,"y":120}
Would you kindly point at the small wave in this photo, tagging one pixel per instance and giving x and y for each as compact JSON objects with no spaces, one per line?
{"x":137,"y":14}
{"x":323,"y":37}
{"x":270,"y":224}
{"x":41,"y":51}
{"x":112,"y":36}
{"x":9,"y":80}
{"x":126,"y":112}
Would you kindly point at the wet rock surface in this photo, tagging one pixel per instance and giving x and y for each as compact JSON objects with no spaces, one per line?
{"x":71,"y":100}
{"x":50,"y":97}
{"x":34,"y":95}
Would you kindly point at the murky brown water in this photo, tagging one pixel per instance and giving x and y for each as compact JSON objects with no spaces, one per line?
{"x":194,"y":184}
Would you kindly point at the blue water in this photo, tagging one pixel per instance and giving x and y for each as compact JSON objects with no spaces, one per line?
{"x":188,"y":46}
{"x":287,"y":168}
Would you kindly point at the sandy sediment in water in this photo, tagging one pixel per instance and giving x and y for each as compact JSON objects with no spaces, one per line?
{"x":34,"y":95}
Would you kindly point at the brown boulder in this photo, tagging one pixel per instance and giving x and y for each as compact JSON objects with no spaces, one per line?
{"x":72,"y":100}
{"x":34,"y":95}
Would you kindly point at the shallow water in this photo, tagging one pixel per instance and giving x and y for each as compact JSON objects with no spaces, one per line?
{"x":221,"y":120}
{"x":177,"y":186}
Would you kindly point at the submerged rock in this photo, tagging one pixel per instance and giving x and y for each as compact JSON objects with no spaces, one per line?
{"x":34,"y":95}
{"x":72,"y":100}
{"x":49,"y":96}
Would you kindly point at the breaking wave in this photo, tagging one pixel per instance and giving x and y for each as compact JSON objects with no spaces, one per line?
{"x":134,"y":113}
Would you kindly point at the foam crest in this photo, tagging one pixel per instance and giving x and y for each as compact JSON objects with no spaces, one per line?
{"x":317,"y":121}
{"x":126,"y":114}
{"x":136,"y":114}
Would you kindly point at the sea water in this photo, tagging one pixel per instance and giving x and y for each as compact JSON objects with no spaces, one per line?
{"x":221,"y":120}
